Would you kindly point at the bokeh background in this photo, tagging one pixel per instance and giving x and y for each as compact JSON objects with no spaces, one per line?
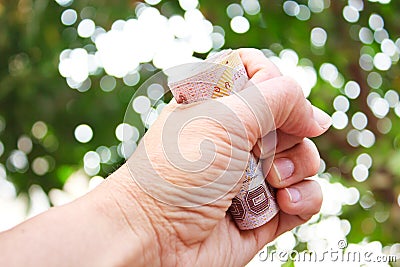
{"x":68,"y":70}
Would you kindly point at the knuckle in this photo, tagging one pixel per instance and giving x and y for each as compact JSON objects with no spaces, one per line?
{"x":292,"y":92}
{"x":292,"y":87}
{"x":285,"y":100}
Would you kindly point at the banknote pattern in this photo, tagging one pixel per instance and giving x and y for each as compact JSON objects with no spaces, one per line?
{"x":255,"y":203}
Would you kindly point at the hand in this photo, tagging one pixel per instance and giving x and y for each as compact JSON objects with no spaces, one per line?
{"x":184,"y":208}
{"x":167,"y":205}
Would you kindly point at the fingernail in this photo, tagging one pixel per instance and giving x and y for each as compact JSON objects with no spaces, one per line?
{"x":294,"y":194}
{"x":323,"y":119}
{"x":284,"y":168}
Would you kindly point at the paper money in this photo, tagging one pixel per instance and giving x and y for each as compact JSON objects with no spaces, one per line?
{"x":255,"y":203}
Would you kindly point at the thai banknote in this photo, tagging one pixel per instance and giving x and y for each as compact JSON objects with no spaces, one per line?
{"x":225,"y":74}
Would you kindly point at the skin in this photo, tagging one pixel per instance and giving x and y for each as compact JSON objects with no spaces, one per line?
{"x":119,"y":224}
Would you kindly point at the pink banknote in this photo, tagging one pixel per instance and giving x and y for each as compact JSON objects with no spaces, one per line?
{"x":255,"y":203}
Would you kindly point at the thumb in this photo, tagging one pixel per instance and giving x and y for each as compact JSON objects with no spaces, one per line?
{"x":278,"y":103}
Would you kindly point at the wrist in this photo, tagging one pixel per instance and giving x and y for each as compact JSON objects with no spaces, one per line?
{"x":106,"y":227}
{"x":142,"y":219}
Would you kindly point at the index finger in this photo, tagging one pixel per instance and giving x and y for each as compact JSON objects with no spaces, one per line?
{"x":258,"y":66}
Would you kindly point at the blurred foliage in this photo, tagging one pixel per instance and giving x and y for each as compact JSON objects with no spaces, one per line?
{"x":32,"y":89}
